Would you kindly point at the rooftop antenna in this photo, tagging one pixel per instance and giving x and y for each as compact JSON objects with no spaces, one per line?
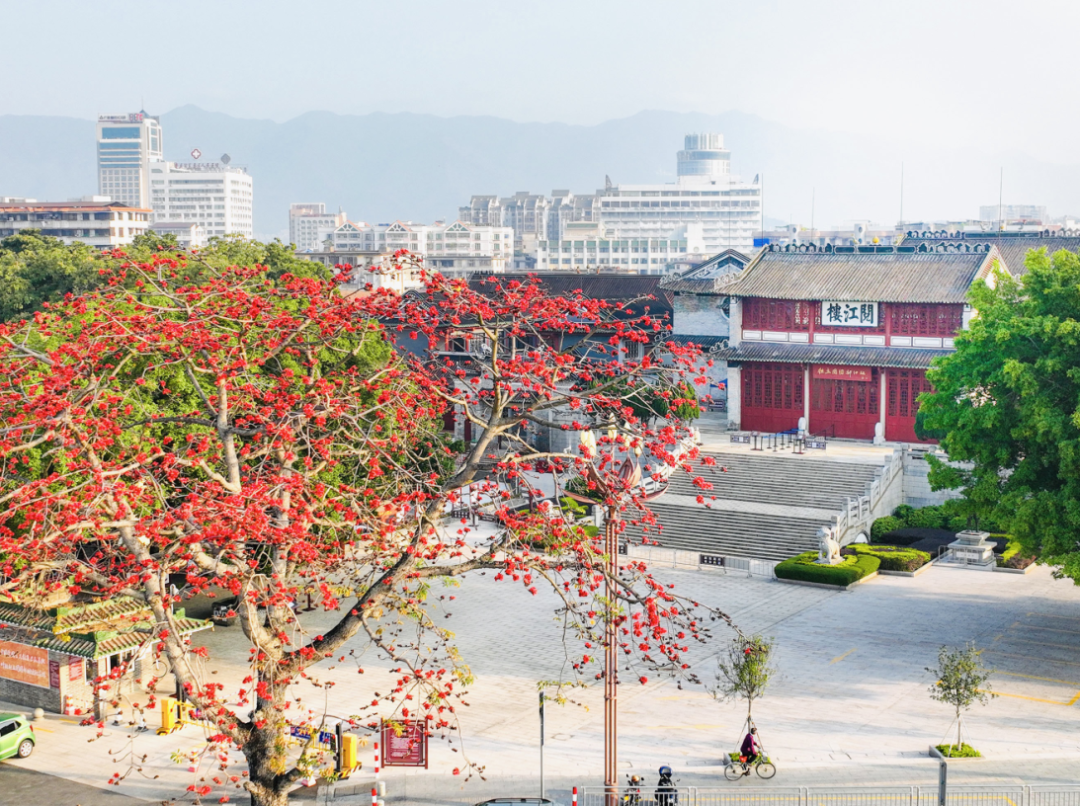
{"x":1001,"y":185}
{"x":761,"y":232}
{"x":901,"y":196}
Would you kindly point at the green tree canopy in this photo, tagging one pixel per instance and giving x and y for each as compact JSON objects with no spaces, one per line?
{"x":1008,"y":402}
{"x":37,"y":269}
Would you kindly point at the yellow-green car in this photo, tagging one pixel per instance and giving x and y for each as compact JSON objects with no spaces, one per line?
{"x":16,"y":736}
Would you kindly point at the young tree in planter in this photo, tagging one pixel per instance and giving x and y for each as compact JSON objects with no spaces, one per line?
{"x":744,"y":670}
{"x":257,"y":433}
{"x":961,"y":681}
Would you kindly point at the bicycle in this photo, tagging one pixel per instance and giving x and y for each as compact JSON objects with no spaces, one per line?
{"x":738,"y":767}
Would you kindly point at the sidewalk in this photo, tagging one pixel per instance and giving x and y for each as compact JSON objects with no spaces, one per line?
{"x":849,"y":704}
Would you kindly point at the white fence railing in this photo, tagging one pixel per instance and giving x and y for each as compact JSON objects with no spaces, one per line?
{"x":736,"y":795}
{"x":859,"y":512}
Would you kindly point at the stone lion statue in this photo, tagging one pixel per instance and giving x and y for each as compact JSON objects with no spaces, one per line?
{"x":828,"y":545}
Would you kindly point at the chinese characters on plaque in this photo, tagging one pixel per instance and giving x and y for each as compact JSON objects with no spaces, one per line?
{"x":862,"y":374}
{"x":405,"y":744}
{"x":849,"y":314}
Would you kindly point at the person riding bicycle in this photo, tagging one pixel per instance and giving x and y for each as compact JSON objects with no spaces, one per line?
{"x":750,"y":749}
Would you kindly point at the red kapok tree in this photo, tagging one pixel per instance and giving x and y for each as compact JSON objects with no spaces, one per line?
{"x":266,"y":437}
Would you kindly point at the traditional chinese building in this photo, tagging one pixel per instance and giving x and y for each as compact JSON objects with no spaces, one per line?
{"x":50,"y":658}
{"x":838,"y":340}
{"x":1012,"y":246}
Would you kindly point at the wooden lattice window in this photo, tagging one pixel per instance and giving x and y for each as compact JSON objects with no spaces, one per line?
{"x":776,"y":314}
{"x":773,"y":386}
{"x":912,"y":319}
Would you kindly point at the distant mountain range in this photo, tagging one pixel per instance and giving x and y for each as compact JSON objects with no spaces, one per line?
{"x":381,"y":167}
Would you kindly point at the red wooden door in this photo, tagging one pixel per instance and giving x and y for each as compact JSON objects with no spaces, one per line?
{"x":903,"y":387}
{"x":772,"y":397}
{"x":845,"y":408}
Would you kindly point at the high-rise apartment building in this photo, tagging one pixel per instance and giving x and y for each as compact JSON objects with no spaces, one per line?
{"x":310,"y":225}
{"x":215,"y":196}
{"x":705,"y":192}
{"x":706,"y":210}
{"x":126,"y":145}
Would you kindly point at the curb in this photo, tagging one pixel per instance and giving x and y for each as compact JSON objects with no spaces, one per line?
{"x":826,"y":585}
{"x":922,"y":569}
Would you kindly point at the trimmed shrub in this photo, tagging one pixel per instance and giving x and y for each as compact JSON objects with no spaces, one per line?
{"x":963,"y":751}
{"x":929,"y":518}
{"x":1011,"y":557}
{"x":882,"y":526}
{"x":903,"y":512}
{"x":803,"y":567}
{"x":893,"y":558}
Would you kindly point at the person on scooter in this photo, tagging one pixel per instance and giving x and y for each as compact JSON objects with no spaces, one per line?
{"x":666,"y":793}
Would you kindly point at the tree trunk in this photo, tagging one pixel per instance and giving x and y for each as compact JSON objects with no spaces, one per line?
{"x":265,"y":752}
{"x":959,"y":731}
{"x":267,"y":798}
{"x":262,"y":776}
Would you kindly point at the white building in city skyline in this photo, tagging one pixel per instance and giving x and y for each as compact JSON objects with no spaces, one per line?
{"x":215,"y":196}
{"x":705,"y":211}
{"x":704,"y":192}
{"x":126,"y":145}
{"x":1034,"y":213}
{"x":310,"y":225}
{"x":456,"y":246}
{"x":96,"y":220}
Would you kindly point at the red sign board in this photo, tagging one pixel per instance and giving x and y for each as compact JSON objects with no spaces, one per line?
{"x":75,"y":668}
{"x":863,"y":374}
{"x":24,"y":664}
{"x":404,"y":744}
{"x":54,"y":674}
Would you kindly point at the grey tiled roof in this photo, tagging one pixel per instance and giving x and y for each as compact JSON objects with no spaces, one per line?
{"x":884,"y":275}
{"x":704,"y":342}
{"x":900,"y":357}
{"x":710,"y":277}
{"x":1013,"y":249}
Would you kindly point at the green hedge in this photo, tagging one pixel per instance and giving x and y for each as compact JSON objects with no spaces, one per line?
{"x":804,"y":568}
{"x":882,"y":526}
{"x":952,"y":515}
{"x":893,"y":558}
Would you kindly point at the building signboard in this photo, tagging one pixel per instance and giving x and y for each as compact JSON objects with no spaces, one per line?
{"x":24,"y":664}
{"x":863,"y":374}
{"x":54,"y":674}
{"x":835,"y":313}
{"x":405,"y":744}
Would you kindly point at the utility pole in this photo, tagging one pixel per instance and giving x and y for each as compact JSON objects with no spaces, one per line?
{"x":541,"y":745}
{"x":611,"y":662}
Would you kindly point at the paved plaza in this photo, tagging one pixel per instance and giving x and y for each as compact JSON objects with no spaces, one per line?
{"x":849,"y":705}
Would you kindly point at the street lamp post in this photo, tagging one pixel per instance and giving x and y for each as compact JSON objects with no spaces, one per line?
{"x":629,"y":475}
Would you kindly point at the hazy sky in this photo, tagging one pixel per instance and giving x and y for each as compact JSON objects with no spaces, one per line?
{"x":989,"y":74}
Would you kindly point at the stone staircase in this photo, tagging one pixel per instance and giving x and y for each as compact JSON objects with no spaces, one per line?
{"x":793,"y":481}
{"x":765,"y":507}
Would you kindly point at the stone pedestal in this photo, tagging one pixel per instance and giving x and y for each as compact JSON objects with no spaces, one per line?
{"x":972,"y":549}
